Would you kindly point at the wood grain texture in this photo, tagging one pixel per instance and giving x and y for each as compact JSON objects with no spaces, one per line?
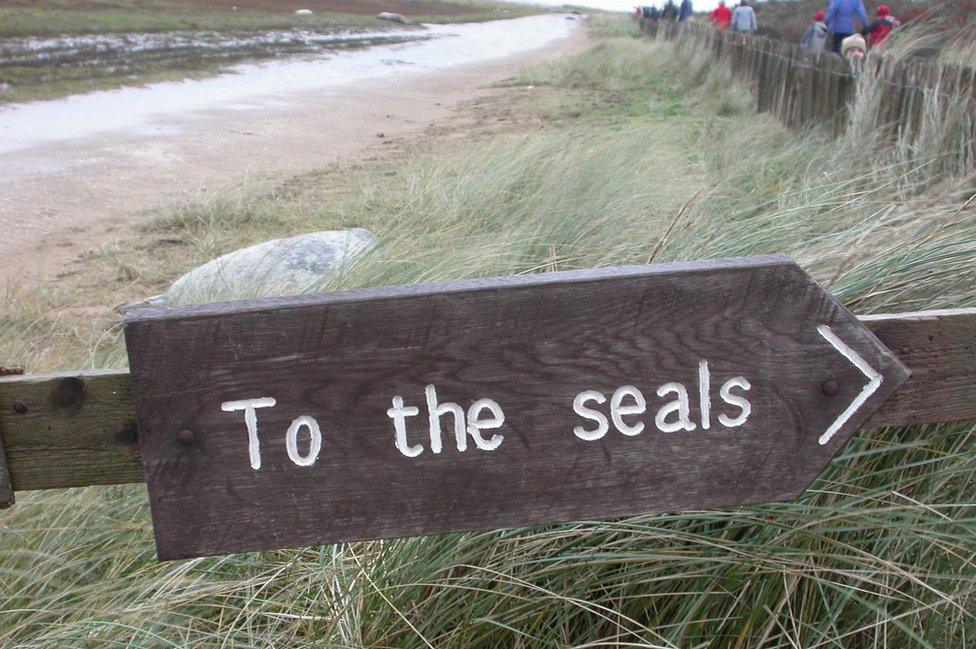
{"x":77,"y":429}
{"x":529,"y":343}
{"x":940,"y":349}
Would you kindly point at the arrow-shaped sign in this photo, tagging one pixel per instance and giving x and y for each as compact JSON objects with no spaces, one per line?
{"x":495,"y":403}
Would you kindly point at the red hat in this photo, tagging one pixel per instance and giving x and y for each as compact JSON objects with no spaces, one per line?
{"x":884,"y":10}
{"x":819,"y":16}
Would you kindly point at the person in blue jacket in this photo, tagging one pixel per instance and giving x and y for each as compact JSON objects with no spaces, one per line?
{"x":840,"y":19}
{"x":686,"y":10}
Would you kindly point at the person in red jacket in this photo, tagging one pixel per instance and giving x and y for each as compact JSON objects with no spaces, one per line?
{"x":881,"y":28}
{"x":722,"y":17}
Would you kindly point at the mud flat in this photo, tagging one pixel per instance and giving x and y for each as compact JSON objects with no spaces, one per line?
{"x":50,"y":49}
{"x":60,"y":65}
{"x":72,"y":167}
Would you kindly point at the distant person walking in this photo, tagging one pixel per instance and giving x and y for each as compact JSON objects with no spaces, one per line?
{"x":651,"y":13}
{"x":686,"y":10}
{"x":881,"y":29}
{"x":670,"y":11}
{"x":840,"y":19}
{"x":744,"y":19}
{"x":815,"y":37}
{"x":721,"y":17}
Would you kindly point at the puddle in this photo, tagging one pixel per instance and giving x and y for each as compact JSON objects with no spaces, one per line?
{"x":266,"y":85}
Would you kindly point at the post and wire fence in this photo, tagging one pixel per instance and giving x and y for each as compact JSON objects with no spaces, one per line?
{"x":804,"y":89}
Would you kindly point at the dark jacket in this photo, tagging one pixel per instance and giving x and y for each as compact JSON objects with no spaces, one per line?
{"x":686,"y":10}
{"x":670,"y":11}
{"x":651,"y":13}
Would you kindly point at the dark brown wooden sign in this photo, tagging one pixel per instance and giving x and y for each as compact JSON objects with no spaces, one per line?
{"x":495,"y":403}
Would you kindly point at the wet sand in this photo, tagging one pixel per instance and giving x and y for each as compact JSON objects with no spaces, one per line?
{"x":69,"y":177}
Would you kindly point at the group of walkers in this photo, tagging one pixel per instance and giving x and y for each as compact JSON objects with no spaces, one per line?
{"x":835,"y":26}
{"x":742,"y":19}
{"x":838,"y":26}
{"x":671,"y":11}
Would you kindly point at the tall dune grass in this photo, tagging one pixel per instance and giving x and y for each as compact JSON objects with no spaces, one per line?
{"x":879,"y":553}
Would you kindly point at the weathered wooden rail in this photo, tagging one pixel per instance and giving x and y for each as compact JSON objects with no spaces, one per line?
{"x":78,"y":428}
{"x":804,"y":89}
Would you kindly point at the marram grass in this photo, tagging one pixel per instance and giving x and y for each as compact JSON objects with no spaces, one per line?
{"x":879,"y":553}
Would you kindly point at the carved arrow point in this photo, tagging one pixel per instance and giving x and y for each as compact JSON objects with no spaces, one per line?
{"x":874,"y":381}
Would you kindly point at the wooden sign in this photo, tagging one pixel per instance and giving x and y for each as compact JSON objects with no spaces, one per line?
{"x":495,"y":403}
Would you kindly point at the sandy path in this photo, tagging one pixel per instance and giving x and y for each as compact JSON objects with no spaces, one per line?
{"x":61,"y":199}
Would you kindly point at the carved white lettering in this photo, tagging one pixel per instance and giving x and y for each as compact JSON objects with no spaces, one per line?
{"x":618,"y":409}
{"x":734,"y":400}
{"x":679,"y":406}
{"x":315,"y":443}
{"x":704,"y":400}
{"x":476,"y":424}
{"x":398,"y":413}
{"x":595,"y":415}
{"x":435,"y":412}
{"x":249,"y":406}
